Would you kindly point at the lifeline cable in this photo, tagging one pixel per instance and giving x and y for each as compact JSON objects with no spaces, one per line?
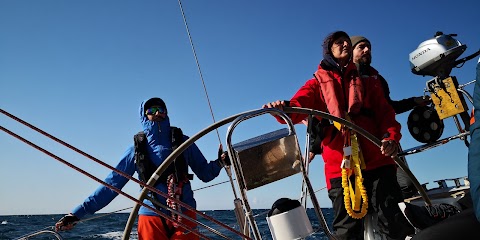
{"x":49,"y":229}
{"x":52,"y":228}
{"x":90,"y":157}
{"x":103,"y":215}
{"x":101,"y":163}
{"x":93,"y":177}
{"x":212,"y":185}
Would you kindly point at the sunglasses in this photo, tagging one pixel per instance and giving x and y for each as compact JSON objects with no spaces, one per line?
{"x":153,"y":110}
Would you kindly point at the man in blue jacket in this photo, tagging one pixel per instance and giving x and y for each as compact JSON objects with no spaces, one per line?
{"x":158,"y":135}
{"x":474,"y":148}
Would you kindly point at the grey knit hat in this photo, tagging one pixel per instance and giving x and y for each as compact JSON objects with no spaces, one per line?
{"x":357,"y":39}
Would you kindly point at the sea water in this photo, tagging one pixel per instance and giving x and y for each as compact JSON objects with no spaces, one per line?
{"x":111,"y":226}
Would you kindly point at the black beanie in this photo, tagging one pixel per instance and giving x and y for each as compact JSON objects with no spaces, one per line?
{"x":155,"y":102}
{"x":357,"y":39}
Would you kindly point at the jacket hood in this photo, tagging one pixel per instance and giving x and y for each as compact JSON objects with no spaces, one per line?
{"x":156,"y":132}
{"x":328,"y":58}
{"x":154,"y":101}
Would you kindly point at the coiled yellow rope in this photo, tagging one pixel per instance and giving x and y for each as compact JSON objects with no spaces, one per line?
{"x":352,"y":154}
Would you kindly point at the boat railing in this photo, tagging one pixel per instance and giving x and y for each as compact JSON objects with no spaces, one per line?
{"x":253,"y":113}
{"x":45,"y":231}
{"x":265,"y":159}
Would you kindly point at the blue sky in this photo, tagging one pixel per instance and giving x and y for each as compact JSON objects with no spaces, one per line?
{"x":80,"y":69}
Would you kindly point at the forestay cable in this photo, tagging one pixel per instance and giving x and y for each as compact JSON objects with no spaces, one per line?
{"x":198,"y":65}
{"x":227,"y":168}
{"x":237,"y":202}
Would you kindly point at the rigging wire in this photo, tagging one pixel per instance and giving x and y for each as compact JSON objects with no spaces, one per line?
{"x":95,"y":178}
{"x":227,"y":168}
{"x":52,"y":228}
{"x":104,"y":214}
{"x":198,"y":66}
{"x":151,"y":188}
{"x":46,"y":230}
{"x":209,"y":186}
{"x":105,"y":165}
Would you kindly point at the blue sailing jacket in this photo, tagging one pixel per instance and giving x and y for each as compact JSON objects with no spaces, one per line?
{"x":474,"y":148}
{"x":160,"y":146}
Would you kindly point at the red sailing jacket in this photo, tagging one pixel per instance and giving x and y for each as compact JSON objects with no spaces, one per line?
{"x":370,"y":111}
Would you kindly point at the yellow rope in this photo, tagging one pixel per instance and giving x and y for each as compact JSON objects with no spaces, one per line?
{"x":353,"y":163}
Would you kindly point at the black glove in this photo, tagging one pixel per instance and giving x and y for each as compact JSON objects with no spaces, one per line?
{"x":67,"y":222}
{"x":225,"y":160}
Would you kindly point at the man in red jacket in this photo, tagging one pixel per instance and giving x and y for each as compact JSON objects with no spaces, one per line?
{"x":362,"y":57}
{"x":338,"y":88}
